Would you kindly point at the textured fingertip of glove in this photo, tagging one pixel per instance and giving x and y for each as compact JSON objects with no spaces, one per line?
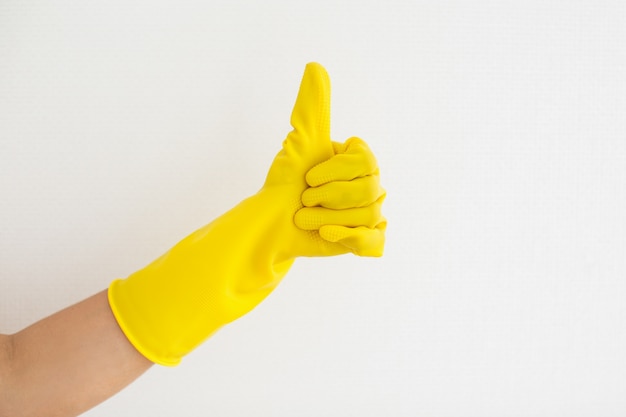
{"x":305,"y":221}
{"x":333,"y":233}
{"x":312,"y":197}
{"x":315,"y":178}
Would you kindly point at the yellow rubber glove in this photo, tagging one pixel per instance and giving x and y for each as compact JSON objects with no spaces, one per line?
{"x":223,"y":270}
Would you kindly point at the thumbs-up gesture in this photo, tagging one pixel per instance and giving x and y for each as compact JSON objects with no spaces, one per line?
{"x":332,"y":189}
{"x":320,"y":198}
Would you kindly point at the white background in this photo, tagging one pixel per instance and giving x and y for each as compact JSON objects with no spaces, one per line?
{"x":500,"y":130}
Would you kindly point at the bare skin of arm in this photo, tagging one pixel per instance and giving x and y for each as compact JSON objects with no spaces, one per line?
{"x":67,"y":363}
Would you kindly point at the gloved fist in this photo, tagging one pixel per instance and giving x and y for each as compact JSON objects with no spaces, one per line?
{"x":344,"y":199}
{"x":319,"y":199}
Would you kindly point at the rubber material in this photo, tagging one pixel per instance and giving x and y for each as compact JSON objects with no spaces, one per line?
{"x":319,"y":199}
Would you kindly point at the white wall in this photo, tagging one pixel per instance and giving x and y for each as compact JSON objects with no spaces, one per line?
{"x":501,"y":135}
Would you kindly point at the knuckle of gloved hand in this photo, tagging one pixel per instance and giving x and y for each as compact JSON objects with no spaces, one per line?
{"x":372,"y":215}
{"x":358,"y":193}
{"x":367,"y":245}
{"x":372,"y":188}
{"x":368,"y":162}
{"x":363,"y":191}
{"x":356,"y":144}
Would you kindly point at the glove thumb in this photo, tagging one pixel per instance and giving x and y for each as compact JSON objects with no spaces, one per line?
{"x":308,"y":144}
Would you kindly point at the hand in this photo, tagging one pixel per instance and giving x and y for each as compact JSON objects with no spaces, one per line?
{"x":318,"y":199}
{"x":344,"y":200}
{"x":338,"y":184}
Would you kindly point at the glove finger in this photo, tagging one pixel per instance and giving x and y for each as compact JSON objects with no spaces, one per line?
{"x":353,"y":160}
{"x":310,"y":117}
{"x":312,"y":218}
{"x":361,"y":240}
{"x":338,"y":195}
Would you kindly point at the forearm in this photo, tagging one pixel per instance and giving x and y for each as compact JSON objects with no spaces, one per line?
{"x":67,"y":363}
